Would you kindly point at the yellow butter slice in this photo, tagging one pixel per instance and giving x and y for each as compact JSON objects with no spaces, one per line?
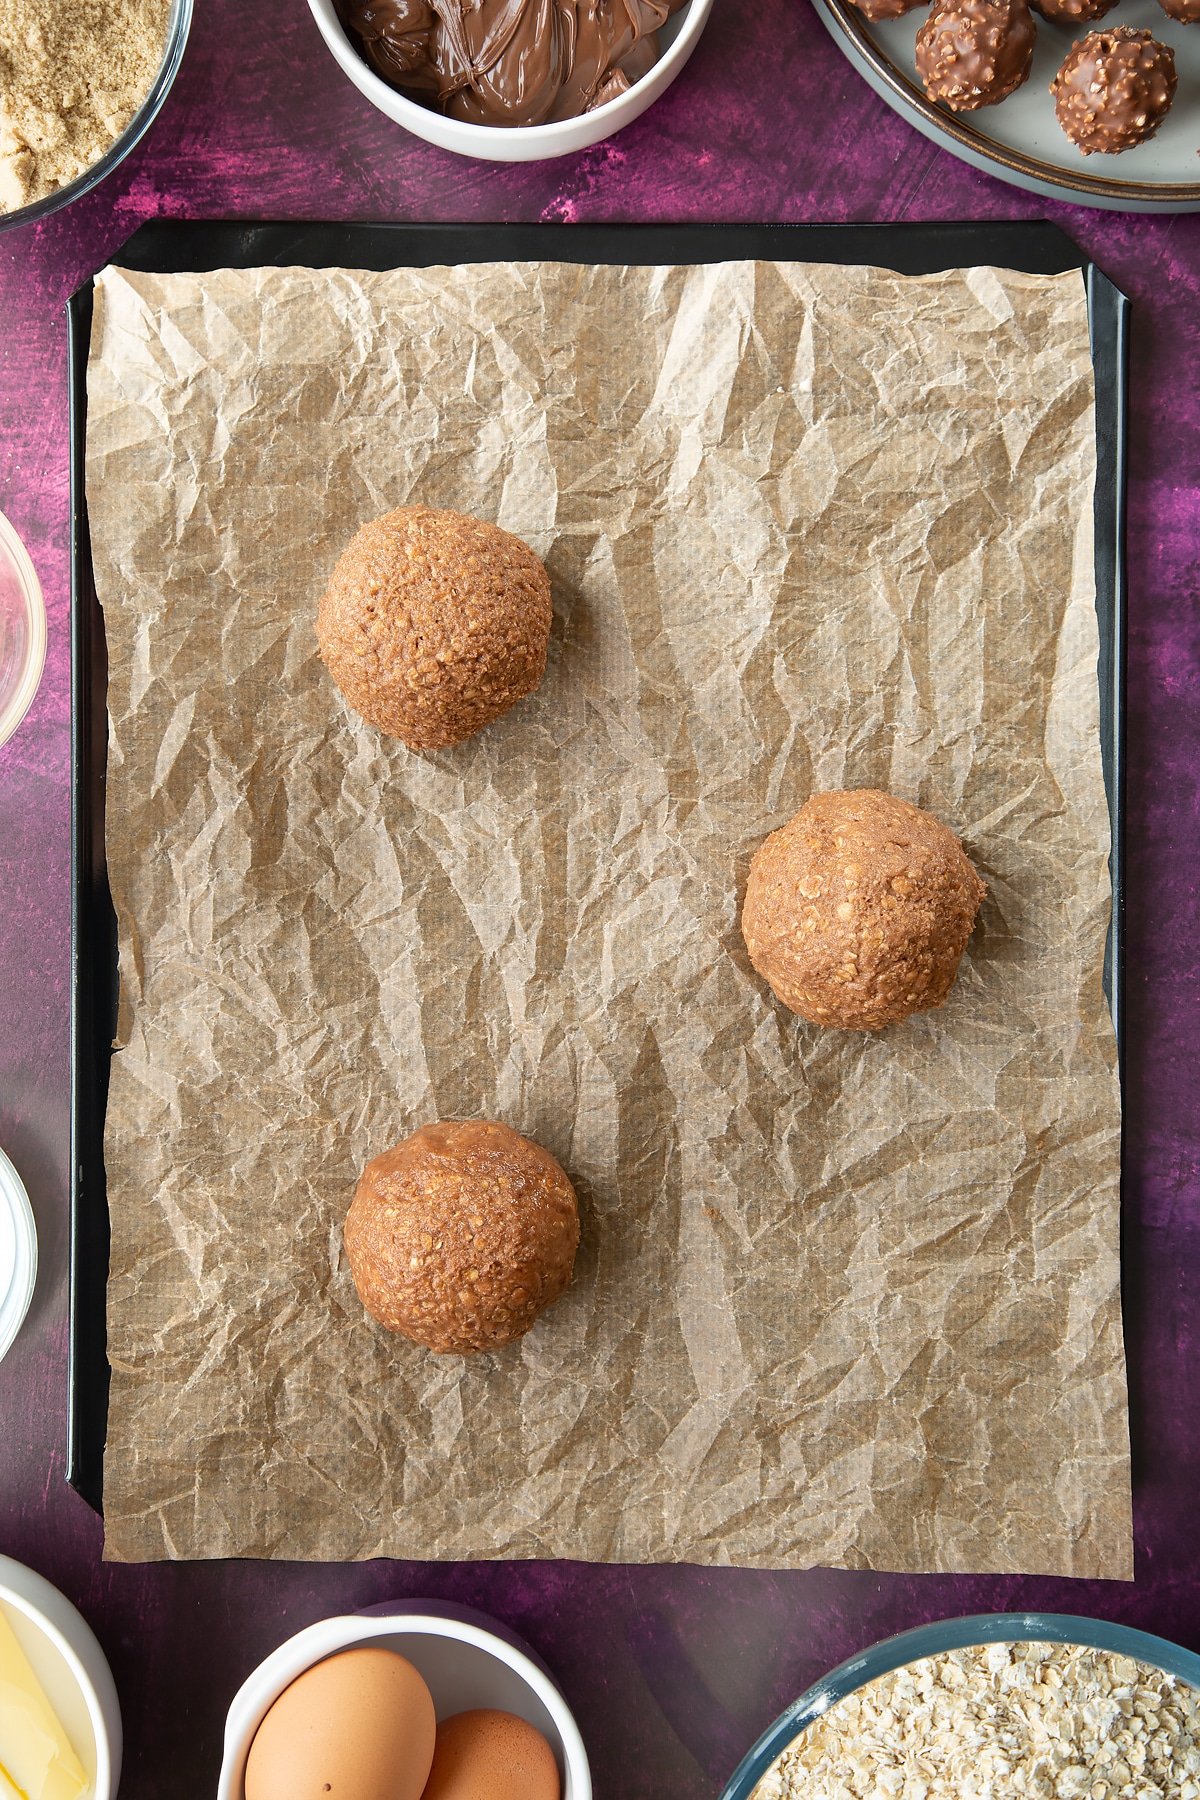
{"x":36,"y":1758}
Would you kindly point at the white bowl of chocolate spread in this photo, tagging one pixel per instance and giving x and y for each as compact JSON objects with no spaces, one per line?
{"x":511,"y":80}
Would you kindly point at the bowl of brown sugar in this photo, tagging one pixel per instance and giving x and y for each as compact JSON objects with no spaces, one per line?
{"x":80,"y":85}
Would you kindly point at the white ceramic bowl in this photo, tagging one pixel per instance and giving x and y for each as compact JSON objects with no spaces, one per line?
{"x":18,"y":1254}
{"x":72,"y":1669}
{"x":462,"y":1657}
{"x":525,"y":143}
{"x":22,"y":630}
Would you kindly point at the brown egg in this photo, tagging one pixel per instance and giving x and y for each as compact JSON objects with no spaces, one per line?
{"x":487,"y":1755}
{"x":358,"y":1726}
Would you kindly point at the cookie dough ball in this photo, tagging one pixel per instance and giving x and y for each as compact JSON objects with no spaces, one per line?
{"x":973,"y":53}
{"x":858,"y":910}
{"x":1114,"y":89}
{"x":461,"y":1234}
{"x":1072,"y":12}
{"x":434,"y":623}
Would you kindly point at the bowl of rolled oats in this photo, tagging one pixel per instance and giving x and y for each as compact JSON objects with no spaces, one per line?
{"x":1038,"y":1706}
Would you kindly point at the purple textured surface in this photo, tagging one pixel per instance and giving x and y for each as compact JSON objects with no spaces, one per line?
{"x":674,"y":1671}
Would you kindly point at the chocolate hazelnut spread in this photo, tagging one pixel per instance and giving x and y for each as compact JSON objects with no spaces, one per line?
{"x":509,"y":62}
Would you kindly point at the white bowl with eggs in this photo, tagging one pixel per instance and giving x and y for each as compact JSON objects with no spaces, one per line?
{"x":464,"y":1663}
{"x":70,"y":1668}
{"x":520,"y":143}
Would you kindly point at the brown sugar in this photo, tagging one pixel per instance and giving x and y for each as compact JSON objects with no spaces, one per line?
{"x":72,"y":76}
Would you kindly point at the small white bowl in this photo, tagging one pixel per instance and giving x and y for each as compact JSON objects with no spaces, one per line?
{"x":22,"y":630}
{"x":18,"y":1254}
{"x":462,"y":1657}
{"x":516,"y":143}
{"x":72,"y":1669}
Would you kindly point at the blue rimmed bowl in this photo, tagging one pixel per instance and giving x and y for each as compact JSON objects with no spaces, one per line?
{"x":952,"y":1634}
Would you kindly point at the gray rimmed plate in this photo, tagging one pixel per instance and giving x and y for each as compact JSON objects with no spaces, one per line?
{"x":1020,"y":141}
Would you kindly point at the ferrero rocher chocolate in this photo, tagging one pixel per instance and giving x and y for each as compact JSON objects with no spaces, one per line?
{"x":1072,"y":12}
{"x":886,"y":9}
{"x":973,"y":53}
{"x":1114,"y":89}
{"x":1186,"y":11}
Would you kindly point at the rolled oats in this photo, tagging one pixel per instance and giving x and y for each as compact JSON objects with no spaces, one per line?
{"x":1037,"y":1720}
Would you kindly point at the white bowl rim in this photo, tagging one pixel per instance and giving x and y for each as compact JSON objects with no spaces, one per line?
{"x":14,"y":1199}
{"x":552,"y":137}
{"x":11,"y":714}
{"x":13,"y":1599}
{"x":325,"y":1637}
{"x":939,"y":1635}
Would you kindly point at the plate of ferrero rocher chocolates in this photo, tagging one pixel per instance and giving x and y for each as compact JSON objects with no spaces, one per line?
{"x":1094,"y":101}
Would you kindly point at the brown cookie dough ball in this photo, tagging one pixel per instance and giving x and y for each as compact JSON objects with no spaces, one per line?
{"x":973,"y":53}
{"x":1114,"y":89}
{"x":461,"y":1234}
{"x":858,"y":910}
{"x":1072,"y":12}
{"x":434,"y":623}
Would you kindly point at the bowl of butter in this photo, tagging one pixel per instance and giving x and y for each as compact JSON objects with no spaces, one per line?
{"x":60,"y":1722}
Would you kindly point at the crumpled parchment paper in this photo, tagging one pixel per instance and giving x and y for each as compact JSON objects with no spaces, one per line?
{"x":841,"y":1299}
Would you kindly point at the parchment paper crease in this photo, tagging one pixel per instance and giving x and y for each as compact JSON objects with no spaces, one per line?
{"x":841,"y":1299}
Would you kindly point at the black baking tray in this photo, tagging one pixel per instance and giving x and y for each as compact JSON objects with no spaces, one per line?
{"x":176,"y":245}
